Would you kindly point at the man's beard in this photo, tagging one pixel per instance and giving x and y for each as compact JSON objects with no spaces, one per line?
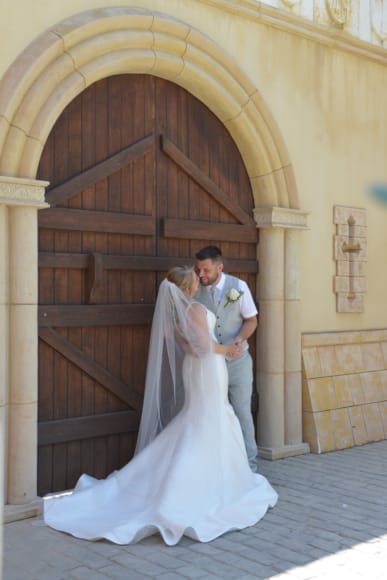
{"x":210,"y":280}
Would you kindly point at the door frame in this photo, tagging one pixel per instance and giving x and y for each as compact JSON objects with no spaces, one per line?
{"x":34,"y":91}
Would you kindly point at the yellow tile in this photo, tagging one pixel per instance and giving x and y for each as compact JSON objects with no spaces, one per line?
{"x":349,"y":358}
{"x":322,"y":394}
{"x":384,"y":351}
{"x":309,"y":432}
{"x":328,"y":361}
{"x":311,"y":362}
{"x":306,"y":402}
{"x":383,"y":379}
{"x":372,"y":356}
{"x":373,"y":422}
{"x":341,"y":428}
{"x":325,"y":438}
{"x":342,"y":385}
{"x":383,"y":415}
{"x":358,"y":426}
{"x":372,"y":387}
{"x":356,"y":389}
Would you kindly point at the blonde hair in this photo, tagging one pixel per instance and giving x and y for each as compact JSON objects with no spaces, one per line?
{"x":182,"y":276}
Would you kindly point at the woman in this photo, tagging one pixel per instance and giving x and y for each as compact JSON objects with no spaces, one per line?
{"x":190,"y":475}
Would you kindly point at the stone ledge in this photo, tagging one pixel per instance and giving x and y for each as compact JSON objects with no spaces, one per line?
{"x":280,"y":217}
{"x":19,"y":191}
{"x":343,"y":337}
{"x":13,"y":513}
{"x":282,"y":452}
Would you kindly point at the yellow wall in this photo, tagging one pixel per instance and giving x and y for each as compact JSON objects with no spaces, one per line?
{"x":329,"y":104}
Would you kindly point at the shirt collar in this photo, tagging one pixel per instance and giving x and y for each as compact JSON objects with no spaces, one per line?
{"x":220,"y":284}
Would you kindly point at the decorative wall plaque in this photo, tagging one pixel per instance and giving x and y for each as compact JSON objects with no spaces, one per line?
{"x":350,"y":253}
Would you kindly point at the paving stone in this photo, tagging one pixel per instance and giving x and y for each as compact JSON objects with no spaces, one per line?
{"x":190,"y":571}
{"x":330,"y":522}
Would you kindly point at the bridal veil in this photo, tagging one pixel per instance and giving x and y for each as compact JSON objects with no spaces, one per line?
{"x":179,"y":326}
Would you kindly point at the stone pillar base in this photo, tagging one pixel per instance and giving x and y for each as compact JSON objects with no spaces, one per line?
{"x":282,"y":452}
{"x":32,"y":509}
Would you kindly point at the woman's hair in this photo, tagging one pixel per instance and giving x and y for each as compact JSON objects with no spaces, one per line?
{"x":182,"y":276}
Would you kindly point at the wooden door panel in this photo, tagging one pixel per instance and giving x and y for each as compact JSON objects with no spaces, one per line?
{"x":207,"y":185}
{"x":141,"y":176}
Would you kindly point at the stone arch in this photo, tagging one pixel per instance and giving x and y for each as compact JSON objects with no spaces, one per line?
{"x":37,"y":87}
{"x":86,"y":47}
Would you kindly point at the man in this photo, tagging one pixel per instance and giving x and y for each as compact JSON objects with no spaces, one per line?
{"x":230,"y":299}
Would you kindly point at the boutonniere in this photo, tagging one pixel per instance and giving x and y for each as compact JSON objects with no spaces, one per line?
{"x":233,"y":296}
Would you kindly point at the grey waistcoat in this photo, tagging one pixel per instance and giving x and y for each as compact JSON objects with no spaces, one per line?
{"x":228,"y":318}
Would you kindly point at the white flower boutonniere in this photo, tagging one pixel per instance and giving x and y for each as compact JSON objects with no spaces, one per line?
{"x":233,"y":296}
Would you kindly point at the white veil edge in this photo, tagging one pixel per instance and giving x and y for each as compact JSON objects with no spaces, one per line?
{"x":179,"y":327}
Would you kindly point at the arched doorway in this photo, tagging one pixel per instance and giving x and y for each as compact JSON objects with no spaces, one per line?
{"x":142,"y":175}
{"x":36,"y":89}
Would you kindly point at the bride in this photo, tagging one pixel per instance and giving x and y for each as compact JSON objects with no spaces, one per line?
{"x":190,"y":474}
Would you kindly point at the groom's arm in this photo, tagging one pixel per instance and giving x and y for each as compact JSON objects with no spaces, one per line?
{"x":249,"y":326}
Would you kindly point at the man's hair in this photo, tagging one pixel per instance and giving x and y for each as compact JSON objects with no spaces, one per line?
{"x":210,"y":253}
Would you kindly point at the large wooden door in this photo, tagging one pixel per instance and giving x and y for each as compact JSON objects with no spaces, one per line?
{"x":142,"y":175}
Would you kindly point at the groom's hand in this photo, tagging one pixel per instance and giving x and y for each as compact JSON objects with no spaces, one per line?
{"x":234,"y":350}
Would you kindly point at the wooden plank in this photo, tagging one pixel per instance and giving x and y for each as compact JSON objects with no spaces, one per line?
{"x":101,"y":170}
{"x":188,"y":229}
{"x":61,"y":260}
{"x":90,"y":315}
{"x":85,"y":362}
{"x":77,"y":428}
{"x":133,"y":263}
{"x":241,"y":266}
{"x":96,"y":221}
{"x":144,"y":263}
{"x":94,"y":278}
{"x":204,"y":181}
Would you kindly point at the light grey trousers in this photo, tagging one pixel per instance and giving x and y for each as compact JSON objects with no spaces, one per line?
{"x":240,"y":386}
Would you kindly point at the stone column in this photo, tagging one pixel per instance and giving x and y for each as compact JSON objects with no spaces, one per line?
{"x":271,"y":340}
{"x":23,"y":340}
{"x":279,"y":340}
{"x":293,"y":378}
{"x":23,"y":198}
{"x":3,"y":360}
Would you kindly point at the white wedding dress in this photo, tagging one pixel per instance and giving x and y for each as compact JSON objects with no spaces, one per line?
{"x":193,"y":479}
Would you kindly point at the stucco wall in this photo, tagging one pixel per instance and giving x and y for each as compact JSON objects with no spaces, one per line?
{"x":328,"y":102}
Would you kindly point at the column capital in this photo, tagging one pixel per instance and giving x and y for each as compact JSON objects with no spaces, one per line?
{"x":16,"y":191}
{"x":280,"y":217}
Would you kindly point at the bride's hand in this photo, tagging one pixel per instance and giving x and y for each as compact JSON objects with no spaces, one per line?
{"x":234,"y":350}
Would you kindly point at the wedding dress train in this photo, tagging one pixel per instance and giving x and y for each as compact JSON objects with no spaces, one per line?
{"x":193,"y":479}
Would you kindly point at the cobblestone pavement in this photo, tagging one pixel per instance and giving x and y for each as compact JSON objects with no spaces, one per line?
{"x":330,"y":523}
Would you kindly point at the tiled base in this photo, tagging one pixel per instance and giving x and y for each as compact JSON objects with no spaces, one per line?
{"x":344,"y":389}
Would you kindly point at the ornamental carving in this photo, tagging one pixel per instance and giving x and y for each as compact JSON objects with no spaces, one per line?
{"x":280,"y":217}
{"x":338,"y":11}
{"x":15,"y":191}
{"x":379,"y":20}
{"x":350,"y":254}
{"x":290,"y":3}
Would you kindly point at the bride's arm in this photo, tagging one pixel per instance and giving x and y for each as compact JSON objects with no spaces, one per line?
{"x":202,"y":342}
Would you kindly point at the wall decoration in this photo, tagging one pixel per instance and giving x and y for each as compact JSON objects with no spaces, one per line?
{"x":350,"y":253}
{"x":338,"y":11}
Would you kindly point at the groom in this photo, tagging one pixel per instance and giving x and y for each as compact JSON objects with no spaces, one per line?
{"x":230,"y":299}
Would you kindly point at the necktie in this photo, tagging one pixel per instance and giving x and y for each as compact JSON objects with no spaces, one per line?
{"x":213,"y":296}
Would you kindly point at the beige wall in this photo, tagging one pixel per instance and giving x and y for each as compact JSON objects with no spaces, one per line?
{"x":308,"y":100}
{"x":330,"y":109}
